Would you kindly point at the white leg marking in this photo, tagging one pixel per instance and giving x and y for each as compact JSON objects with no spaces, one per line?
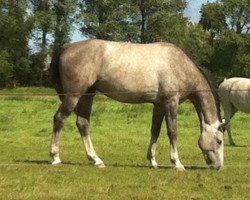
{"x":153,"y":162}
{"x":175,"y":159}
{"x":91,"y":152}
{"x":56,"y":160}
{"x":55,"y":149}
{"x":151,"y":153}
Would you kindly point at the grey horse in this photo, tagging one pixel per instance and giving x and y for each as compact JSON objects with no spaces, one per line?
{"x":157,"y":73}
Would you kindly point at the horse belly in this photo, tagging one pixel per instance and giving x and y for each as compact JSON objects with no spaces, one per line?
{"x":128,"y":92}
{"x":130,"y":97}
{"x":241,"y":100}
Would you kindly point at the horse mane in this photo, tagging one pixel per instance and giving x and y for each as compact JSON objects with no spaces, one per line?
{"x":207,"y":76}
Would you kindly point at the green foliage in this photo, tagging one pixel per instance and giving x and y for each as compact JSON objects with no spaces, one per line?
{"x":243,"y":57}
{"x":6,"y":69}
{"x":229,"y":24}
{"x":15,"y":31}
{"x":231,"y":56}
{"x":132,"y":21}
{"x":213,"y":18}
{"x":110,"y":20}
{"x":51,"y":27}
{"x":39,"y":70}
{"x":238,"y":14}
{"x":44,"y":21}
{"x":226,"y":14}
{"x":220,"y":42}
{"x":159,"y":28}
{"x":197,"y":41}
{"x":64,"y":12}
{"x":53,"y":18}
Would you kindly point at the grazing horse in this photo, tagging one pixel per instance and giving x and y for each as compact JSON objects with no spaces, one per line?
{"x":235,"y":95}
{"x":157,"y":73}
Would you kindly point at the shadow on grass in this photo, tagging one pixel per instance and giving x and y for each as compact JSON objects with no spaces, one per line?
{"x":46,"y":162}
{"x":189,"y":167}
{"x":235,"y":146}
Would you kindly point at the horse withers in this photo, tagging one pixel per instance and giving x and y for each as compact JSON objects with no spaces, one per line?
{"x":235,"y":96}
{"x":157,"y":73}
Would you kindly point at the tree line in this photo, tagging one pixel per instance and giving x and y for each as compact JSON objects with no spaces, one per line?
{"x":220,"y":42}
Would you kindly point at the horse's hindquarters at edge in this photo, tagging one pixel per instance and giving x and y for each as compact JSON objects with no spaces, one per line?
{"x":235,"y":96}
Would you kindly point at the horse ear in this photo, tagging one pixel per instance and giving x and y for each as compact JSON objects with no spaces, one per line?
{"x":222,"y":125}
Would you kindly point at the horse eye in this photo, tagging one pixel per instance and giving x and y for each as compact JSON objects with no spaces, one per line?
{"x":219,"y":141}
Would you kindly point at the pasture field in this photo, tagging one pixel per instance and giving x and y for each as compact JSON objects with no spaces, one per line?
{"x":120,"y":133}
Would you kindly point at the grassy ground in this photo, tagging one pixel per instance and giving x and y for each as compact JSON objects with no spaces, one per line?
{"x":120,"y":133}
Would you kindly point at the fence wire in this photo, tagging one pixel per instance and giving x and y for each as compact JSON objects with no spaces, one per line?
{"x":112,"y":93}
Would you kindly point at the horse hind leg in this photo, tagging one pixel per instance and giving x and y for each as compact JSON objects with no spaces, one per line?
{"x":157,"y":118}
{"x":83,"y":111}
{"x":67,"y":106}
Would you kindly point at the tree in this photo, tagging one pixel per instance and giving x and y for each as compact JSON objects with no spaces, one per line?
{"x":44,"y":22}
{"x":226,"y":14}
{"x":53,"y":23}
{"x":197,"y":41}
{"x":53,"y":20}
{"x":15,"y":26}
{"x":229,"y":24}
{"x":232,"y":55}
{"x":129,"y":19}
{"x":50,"y":22}
{"x":213,"y":18}
{"x":110,"y":19}
{"x":164,"y":21}
{"x":6,"y":68}
{"x":164,"y":26}
{"x":158,"y":16}
{"x":64,"y":18}
{"x":238,"y":15}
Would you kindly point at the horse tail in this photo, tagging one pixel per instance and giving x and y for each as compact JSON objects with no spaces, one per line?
{"x":224,"y":91}
{"x":55,"y":73}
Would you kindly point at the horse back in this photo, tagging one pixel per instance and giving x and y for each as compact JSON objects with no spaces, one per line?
{"x":236,"y":91}
{"x":116,"y":67}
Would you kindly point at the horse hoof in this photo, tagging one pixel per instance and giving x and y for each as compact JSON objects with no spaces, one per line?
{"x":101,"y":165}
{"x":180,"y":168}
{"x":154,"y":166}
{"x":56,"y":162}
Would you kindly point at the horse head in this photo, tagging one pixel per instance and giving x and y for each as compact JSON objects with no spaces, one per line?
{"x":211,"y":145}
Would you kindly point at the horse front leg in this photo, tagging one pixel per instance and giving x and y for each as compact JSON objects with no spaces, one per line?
{"x":229,"y":112}
{"x":60,"y":117}
{"x":157,"y":118}
{"x":171,"y":121}
{"x":83,"y":112}
{"x":230,"y":137}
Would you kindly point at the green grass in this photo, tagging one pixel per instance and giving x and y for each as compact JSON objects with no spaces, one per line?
{"x":120,"y":133}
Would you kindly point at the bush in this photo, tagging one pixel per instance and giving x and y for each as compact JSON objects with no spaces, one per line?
{"x":6,"y":69}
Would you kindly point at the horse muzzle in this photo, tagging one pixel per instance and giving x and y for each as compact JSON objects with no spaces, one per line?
{"x":213,"y":161}
{"x":217,"y":167}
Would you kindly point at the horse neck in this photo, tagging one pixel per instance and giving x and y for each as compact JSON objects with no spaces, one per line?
{"x":206,"y":106}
